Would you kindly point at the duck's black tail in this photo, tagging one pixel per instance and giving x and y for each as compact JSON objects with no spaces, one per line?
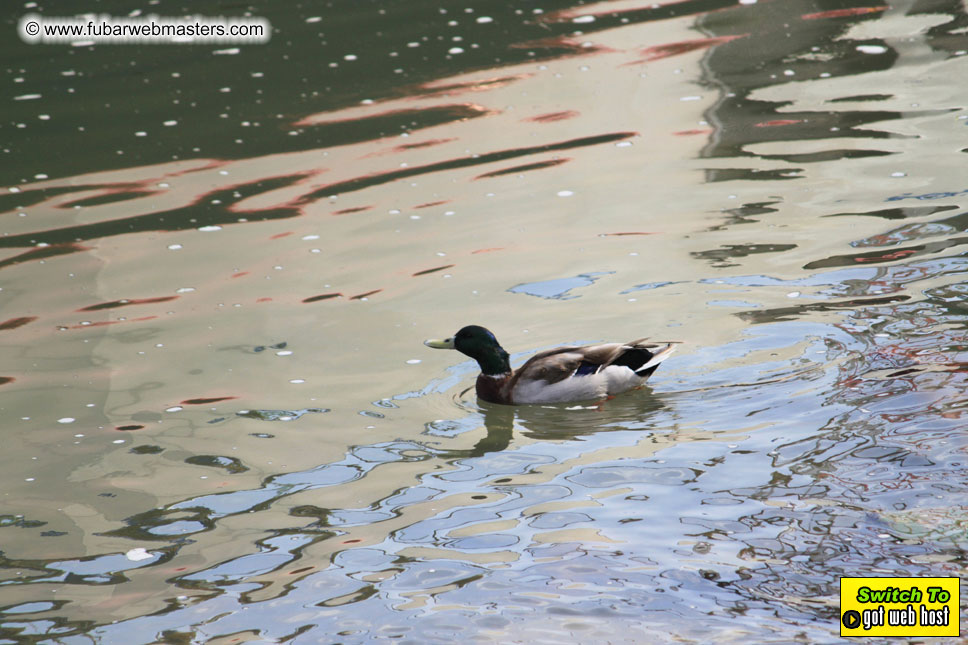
{"x":643,"y":361}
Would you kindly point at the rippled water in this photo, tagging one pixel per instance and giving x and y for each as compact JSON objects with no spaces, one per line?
{"x":218,"y":265}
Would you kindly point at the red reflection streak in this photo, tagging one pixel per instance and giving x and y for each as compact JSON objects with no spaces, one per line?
{"x":630,"y":233}
{"x":569,"y":15}
{"x":203,"y":401}
{"x":488,"y":250}
{"x":322,"y":296}
{"x":422,"y":144}
{"x":364,"y":295}
{"x":896,"y":255}
{"x":239,"y":274}
{"x":553,"y":116}
{"x":455,"y":112}
{"x":105,"y":323}
{"x":133,"y":191}
{"x":13,"y":323}
{"x":454,"y":89}
{"x":430,"y":204}
{"x":433,"y":270}
{"x":263,"y":299}
{"x":278,"y":236}
{"x":356,"y":209}
{"x":840,"y":13}
{"x":685,"y":133}
{"x":44,"y":252}
{"x":523,"y":168}
{"x":127,"y":302}
{"x":682,"y":47}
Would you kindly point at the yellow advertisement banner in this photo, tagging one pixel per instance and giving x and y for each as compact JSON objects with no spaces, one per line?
{"x":918,"y":607}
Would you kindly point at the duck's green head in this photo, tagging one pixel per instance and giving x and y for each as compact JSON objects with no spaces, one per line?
{"x":481,"y":345}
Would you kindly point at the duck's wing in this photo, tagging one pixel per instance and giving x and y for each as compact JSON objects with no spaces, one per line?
{"x":557,"y":364}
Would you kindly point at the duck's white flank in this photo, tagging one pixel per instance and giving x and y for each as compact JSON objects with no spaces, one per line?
{"x":610,"y":381}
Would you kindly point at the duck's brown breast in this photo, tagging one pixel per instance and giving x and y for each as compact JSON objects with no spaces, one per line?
{"x":493,"y":389}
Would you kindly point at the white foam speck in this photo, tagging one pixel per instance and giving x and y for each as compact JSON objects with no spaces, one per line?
{"x":413,"y":361}
{"x":297,"y":381}
{"x":174,"y":408}
{"x":310,"y":237}
{"x":138,"y":554}
{"x":871,"y":49}
{"x":565,"y":193}
{"x":455,"y":50}
{"x":484,"y":19}
{"x":174,"y":247}
{"x":583,"y":19}
{"x":67,"y":420}
{"x":209,"y":229}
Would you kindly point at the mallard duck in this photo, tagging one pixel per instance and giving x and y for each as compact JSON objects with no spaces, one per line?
{"x":559,"y":375}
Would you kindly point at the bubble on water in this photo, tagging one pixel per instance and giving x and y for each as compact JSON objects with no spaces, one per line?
{"x":174,"y":408}
{"x":29,"y":479}
{"x":455,"y":50}
{"x":349,"y":57}
{"x":118,"y":441}
{"x":184,"y":289}
{"x":871,"y":49}
{"x":297,"y":381}
{"x":793,"y":294}
{"x":581,"y":20}
{"x":284,"y":352}
{"x":565,"y":193}
{"x":310,"y":237}
{"x":67,"y":420}
{"x":174,"y":247}
{"x":898,"y":174}
{"x":623,"y":144}
{"x":27,"y":97}
{"x":209,"y":229}
{"x":413,"y":361}
{"x":690,"y":98}
{"x":485,"y":19}
{"x":313,"y":19}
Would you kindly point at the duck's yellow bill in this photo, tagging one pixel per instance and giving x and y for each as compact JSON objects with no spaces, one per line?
{"x":446,"y":343}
